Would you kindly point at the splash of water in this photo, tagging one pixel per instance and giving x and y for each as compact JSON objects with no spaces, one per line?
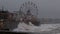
{"x":22,"y":27}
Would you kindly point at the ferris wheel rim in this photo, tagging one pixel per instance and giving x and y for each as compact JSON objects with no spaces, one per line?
{"x":22,"y":6}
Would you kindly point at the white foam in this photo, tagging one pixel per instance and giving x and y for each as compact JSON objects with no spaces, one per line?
{"x":31,"y":28}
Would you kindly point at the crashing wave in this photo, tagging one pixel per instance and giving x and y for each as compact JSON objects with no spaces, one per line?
{"x":22,"y":27}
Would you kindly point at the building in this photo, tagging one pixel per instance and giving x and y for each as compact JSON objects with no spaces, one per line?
{"x":5,"y":16}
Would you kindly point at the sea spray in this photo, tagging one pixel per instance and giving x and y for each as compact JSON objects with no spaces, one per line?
{"x":22,"y":27}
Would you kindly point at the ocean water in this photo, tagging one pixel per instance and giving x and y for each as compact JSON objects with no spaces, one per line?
{"x":22,"y":27}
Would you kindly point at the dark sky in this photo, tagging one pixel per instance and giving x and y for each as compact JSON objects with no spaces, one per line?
{"x":47,"y":8}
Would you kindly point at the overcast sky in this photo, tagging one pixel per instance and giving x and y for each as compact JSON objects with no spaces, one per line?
{"x":47,"y":8}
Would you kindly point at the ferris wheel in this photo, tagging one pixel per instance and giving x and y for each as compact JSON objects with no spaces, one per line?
{"x":29,"y":6}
